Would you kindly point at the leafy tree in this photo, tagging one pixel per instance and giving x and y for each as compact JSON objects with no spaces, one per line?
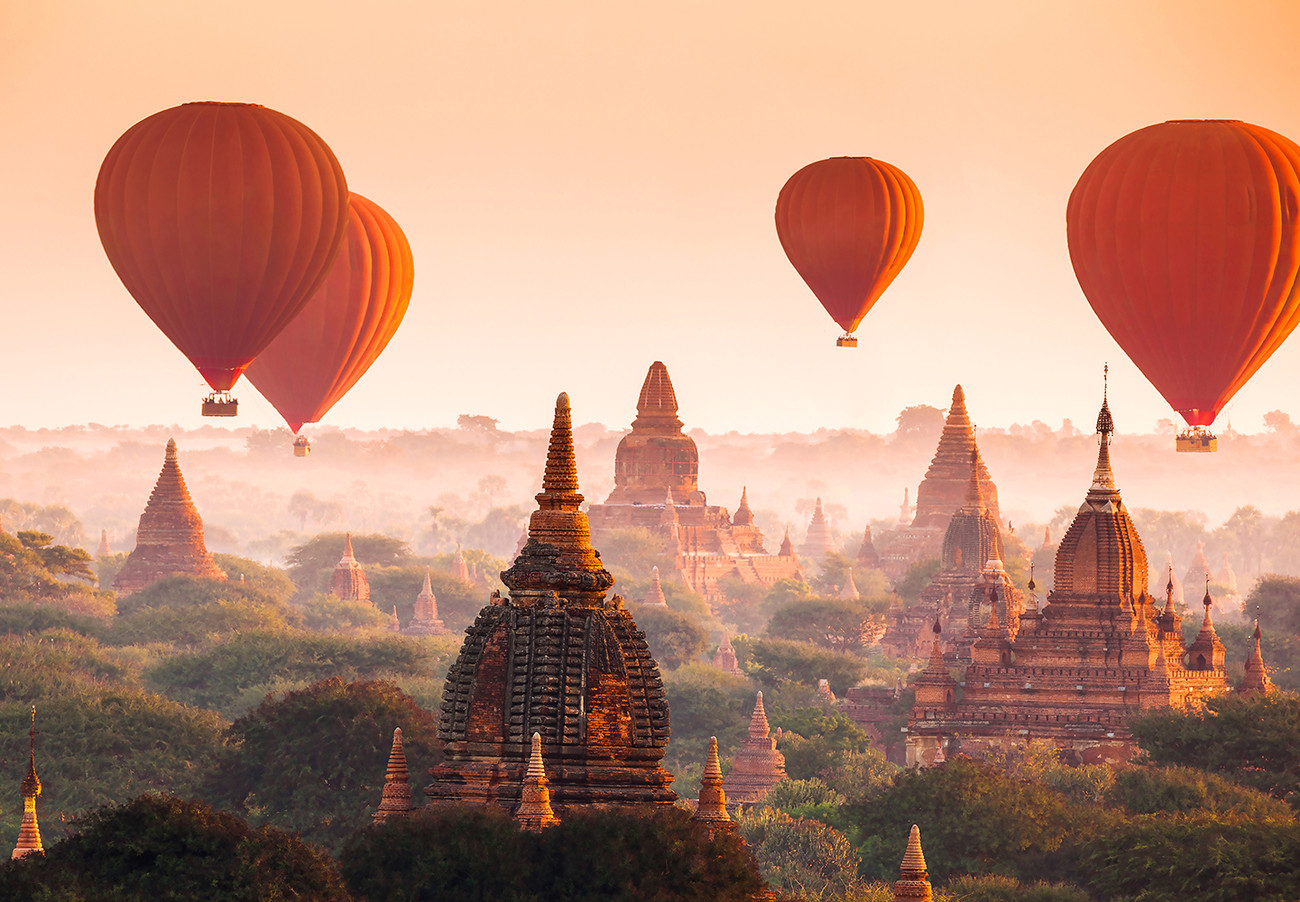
{"x":782,"y":661}
{"x":472,"y":853}
{"x":1253,"y":740}
{"x":396,"y":587}
{"x":811,"y":799}
{"x":311,"y":563}
{"x":837,"y":624}
{"x":974,"y":820}
{"x":674,"y":638}
{"x":815,"y":740}
{"x":272,"y":581}
{"x":999,"y":888}
{"x":805,"y":858}
{"x":24,"y":619}
{"x":33,"y":568}
{"x":158,"y":847}
{"x":918,"y":576}
{"x":314,"y":760}
{"x":705,"y":702}
{"x":327,"y":613}
{"x":632,"y":553}
{"x":1277,"y":598}
{"x":919,"y":426}
{"x":861,"y":775}
{"x":54,"y":519}
{"x":1182,"y":790}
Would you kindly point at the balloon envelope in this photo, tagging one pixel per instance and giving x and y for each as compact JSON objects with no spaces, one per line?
{"x":1183,"y":238}
{"x":849,"y":226}
{"x":345,"y":325}
{"x":220,"y":219}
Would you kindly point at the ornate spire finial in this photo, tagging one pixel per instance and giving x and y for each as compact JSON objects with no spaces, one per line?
{"x":560,"y":481}
{"x":170,"y":455}
{"x":535,"y":812}
{"x":29,"y":834}
{"x":974,"y":493}
{"x":347,"y":548}
{"x":758,"y":726}
{"x":1105,"y":425}
{"x":913,"y":883}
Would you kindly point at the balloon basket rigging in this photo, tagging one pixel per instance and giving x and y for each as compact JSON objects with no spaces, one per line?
{"x":1196,"y":440}
{"x":846,"y":341}
{"x":220,"y":404}
{"x":301,"y":447}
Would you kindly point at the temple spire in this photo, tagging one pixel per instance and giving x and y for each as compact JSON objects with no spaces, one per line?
{"x":913,"y":880}
{"x":396,"y":801}
{"x":712,"y":807}
{"x":534,"y":811}
{"x":1256,"y":678}
{"x":758,"y":726}
{"x":29,"y":834}
{"x":1103,"y":479}
{"x":657,"y":402}
{"x":743,"y":516}
{"x":974,"y":494}
{"x":655,"y":596}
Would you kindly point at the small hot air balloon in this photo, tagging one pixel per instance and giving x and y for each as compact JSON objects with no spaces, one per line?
{"x":346,"y":324}
{"x":1183,"y":238}
{"x":221,"y":219}
{"x":849,"y":226}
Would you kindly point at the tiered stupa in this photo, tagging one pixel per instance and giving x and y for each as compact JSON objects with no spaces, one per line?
{"x":913,"y":884}
{"x":849,"y":591}
{"x":656,"y":473}
{"x":868,"y":558}
{"x":559,"y":659}
{"x":103,"y":550}
{"x":957,"y":595}
{"x":655,"y":597}
{"x":459,"y":568}
{"x":1100,"y":651}
{"x":818,"y":541}
{"x":757,"y":766}
{"x":535,"y":812}
{"x":29,"y":834}
{"x":941,"y":493}
{"x":349,"y":581}
{"x":725,"y":657}
{"x":169,"y":541}
{"x":711,"y":809}
{"x":396,"y":801}
{"x":424,"y":620}
{"x":1255,"y":680}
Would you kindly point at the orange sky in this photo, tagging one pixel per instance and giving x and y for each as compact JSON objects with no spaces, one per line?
{"x":588,"y":187}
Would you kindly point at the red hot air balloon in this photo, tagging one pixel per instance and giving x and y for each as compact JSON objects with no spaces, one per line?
{"x":1183,"y":237}
{"x":849,"y":226}
{"x":221,"y":220}
{"x":345,"y":326}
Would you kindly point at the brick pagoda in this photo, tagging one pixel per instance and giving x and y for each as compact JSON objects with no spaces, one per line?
{"x":348,"y":581}
{"x":557,"y":658}
{"x":756,"y":766}
{"x":169,"y":541}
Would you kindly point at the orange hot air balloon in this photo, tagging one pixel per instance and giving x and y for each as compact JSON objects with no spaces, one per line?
{"x":849,"y":226}
{"x":221,"y":220}
{"x":346,"y":324}
{"x":1183,"y":237}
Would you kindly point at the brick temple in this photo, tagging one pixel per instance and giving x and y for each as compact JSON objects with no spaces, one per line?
{"x":1100,"y":651}
{"x":656,"y":487}
{"x":556,"y":658}
{"x":348,"y":581}
{"x":169,"y":541}
{"x":942,"y":492}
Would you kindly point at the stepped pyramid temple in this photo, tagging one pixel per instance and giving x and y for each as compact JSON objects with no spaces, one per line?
{"x":656,"y":473}
{"x":970,"y":580}
{"x":757,"y":766}
{"x":29,"y":834}
{"x":942,"y":491}
{"x":817,"y":541}
{"x":424,"y":620}
{"x":169,"y":541}
{"x":1101,"y":650}
{"x":396,"y":800}
{"x":349,"y":581}
{"x":557,"y":658}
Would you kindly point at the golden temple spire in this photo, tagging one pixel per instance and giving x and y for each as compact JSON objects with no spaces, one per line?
{"x":534,"y":811}
{"x":1103,"y":479}
{"x":712,"y":807}
{"x":29,"y":834}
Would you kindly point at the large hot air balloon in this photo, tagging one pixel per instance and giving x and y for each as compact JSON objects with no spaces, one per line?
{"x":1183,"y":237}
{"x":346,"y":324}
{"x":221,"y":220}
{"x":849,"y":226}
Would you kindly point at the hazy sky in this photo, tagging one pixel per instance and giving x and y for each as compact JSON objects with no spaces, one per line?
{"x":588,"y":187}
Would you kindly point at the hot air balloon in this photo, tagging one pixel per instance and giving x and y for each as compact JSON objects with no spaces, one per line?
{"x":221,"y":219}
{"x":346,"y":324}
{"x":1183,"y":237}
{"x":849,"y":226}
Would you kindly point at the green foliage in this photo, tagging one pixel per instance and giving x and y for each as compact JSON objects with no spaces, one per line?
{"x":674,"y":638}
{"x":860,"y":776}
{"x":974,"y":819}
{"x":809,"y":799}
{"x":815,"y":740}
{"x":837,"y":624}
{"x":832,"y":575}
{"x":703,"y":702}
{"x":190,"y":592}
{"x":192,"y":625}
{"x":805,"y":858}
{"x":918,"y":576}
{"x":1279,"y":597}
{"x":220,"y":676}
{"x":472,"y":853}
{"x":159,"y":848}
{"x":314,"y":761}
{"x":630,"y":554}
{"x":311,"y":563}
{"x":1253,"y":740}
{"x":33,"y":617}
{"x":396,"y":587}
{"x":1181,"y":790}
{"x":1193,"y":860}
{"x":33,"y":568}
{"x":327,"y":613}
{"x":272,"y":581}
{"x":782,"y":661}
{"x":101,"y":744}
{"x":998,"y":888}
